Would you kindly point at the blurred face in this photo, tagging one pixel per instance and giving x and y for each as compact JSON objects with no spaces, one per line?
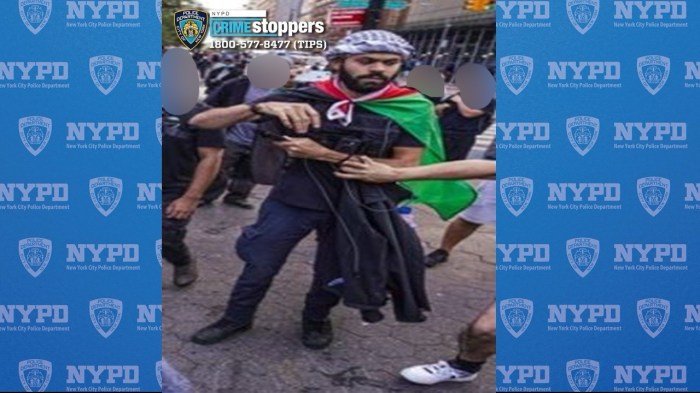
{"x":369,"y":72}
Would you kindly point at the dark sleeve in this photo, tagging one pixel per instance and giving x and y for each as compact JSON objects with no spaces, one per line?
{"x":229,"y":93}
{"x":407,"y":140}
{"x":210,"y":138}
{"x":278,"y":96}
{"x":490,"y":108}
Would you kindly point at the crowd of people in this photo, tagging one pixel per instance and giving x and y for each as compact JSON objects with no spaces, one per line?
{"x":343,"y":153}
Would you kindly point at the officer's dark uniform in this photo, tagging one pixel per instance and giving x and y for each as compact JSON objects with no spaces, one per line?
{"x":300,"y":203}
{"x":180,"y":159}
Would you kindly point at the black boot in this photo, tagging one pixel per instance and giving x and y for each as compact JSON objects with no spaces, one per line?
{"x":185,"y":275}
{"x":317,"y":335}
{"x":219,"y":331}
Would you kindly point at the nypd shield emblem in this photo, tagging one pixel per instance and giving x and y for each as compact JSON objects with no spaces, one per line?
{"x":653,"y":72}
{"x":653,"y":314}
{"x":582,"y":14}
{"x":106,"y":71}
{"x":105,"y":314}
{"x":191,"y":27}
{"x":582,"y":374}
{"x":106,"y":192}
{"x":516,"y":72}
{"x":653,"y":193}
{"x":516,"y":193}
{"x":583,"y":133}
{"x":159,"y":251}
{"x":583,"y":254}
{"x":35,"y":254}
{"x":159,"y":130}
{"x":159,"y":373}
{"x":516,"y":315}
{"x":159,"y":10}
{"x":35,"y":374}
{"x":35,"y":14}
{"x":35,"y":131}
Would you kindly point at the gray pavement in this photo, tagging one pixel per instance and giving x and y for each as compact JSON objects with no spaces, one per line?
{"x":363,"y":358}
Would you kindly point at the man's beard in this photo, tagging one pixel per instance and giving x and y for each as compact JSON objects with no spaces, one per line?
{"x":356,"y":84}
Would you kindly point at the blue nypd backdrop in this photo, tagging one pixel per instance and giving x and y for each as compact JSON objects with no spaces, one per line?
{"x":599,"y":196}
{"x":80,"y":303}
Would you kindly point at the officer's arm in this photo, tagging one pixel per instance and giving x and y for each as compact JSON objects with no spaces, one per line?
{"x":219,"y":118}
{"x":205,"y":173}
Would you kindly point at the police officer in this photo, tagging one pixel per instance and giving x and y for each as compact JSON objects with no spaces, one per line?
{"x":365,"y":64}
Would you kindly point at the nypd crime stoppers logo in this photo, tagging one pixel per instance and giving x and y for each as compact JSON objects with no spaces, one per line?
{"x":582,"y":374}
{"x":35,"y":254}
{"x":35,"y":14}
{"x":653,"y":315}
{"x":582,"y":253}
{"x":583,"y":133}
{"x":516,"y":193}
{"x":516,"y":315}
{"x":35,"y":374}
{"x":653,"y":72}
{"x":516,"y":72}
{"x":105,"y":193}
{"x":191,"y":27}
{"x":34,"y":132}
{"x":106,"y":71}
{"x":582,"y":14}
{"x":653,"y":193}
{"x":105,"y":314}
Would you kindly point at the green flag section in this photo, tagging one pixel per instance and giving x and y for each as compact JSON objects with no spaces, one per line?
{"x":414,"y":113}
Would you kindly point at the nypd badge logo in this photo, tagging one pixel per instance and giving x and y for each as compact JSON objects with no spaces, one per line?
{"x":516,"y":72}
{"x":583,"y":254}
{"x":583,"y":133}
{"x":105,"y":314}
{"x":582,"y":13}
{"x":653,"y":72}
{"x":106,"y":192}
{"x":35,"y":254}
{"x":582,"y":374}
{"x":653,"y":193}
{"x":106,"y":71}
{"x":159,"y":130}
{"x":191,"y":27}
{"x":159,"y":373}
{"x":516,"y":193}
{"x":653,"y":314}
{"x":35,"y":14}
{"x":159,"y":251}
{"x":35,"y":374}
{"x":516,"y":315}
{"x":159,"y":10}
{"x":35,"y":131}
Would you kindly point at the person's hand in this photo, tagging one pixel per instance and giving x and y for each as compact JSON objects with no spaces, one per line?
{"x":181,"y":208}
{"x":440,"y":108}
{"x":296,"y":116}
{"x":302,"y":147}
{"x":368,"y":170}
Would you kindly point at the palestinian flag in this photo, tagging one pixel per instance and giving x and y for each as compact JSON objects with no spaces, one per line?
{"x":415,"y":114}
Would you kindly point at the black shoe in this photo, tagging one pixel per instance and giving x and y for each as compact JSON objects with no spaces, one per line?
{"x":219,"y":331}
{"x":436,"y":257}
{"x":231,"y":200}
{"x":185,"y":275}
{"x":317,"y":335}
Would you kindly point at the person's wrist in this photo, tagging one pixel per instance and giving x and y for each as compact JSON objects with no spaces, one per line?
{"x":255,"y":108}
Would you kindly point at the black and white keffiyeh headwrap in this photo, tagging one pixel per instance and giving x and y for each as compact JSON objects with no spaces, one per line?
{"x":371,"y":41}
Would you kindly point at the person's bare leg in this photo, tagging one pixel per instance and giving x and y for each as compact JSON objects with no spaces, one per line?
{"x":458,"y":230}
{"x":478,"y":342}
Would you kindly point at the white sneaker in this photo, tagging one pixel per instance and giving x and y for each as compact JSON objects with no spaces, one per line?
{"x":430,"y":374}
